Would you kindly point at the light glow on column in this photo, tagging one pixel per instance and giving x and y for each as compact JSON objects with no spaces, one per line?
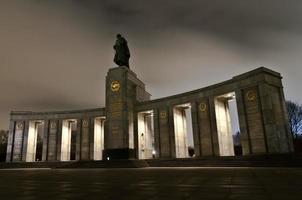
{"x":35,"y":132}
{"x":66,"y":139}
{"x":223,"y":121}
{"x":145,"y":135}
{"x":98,"y":138}
{"x":31,"y":142}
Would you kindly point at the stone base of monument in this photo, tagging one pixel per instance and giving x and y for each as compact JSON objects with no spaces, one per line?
{"x":118,"y":154}
{"x":76,"y":164}
{"x":107,"y":164}
{"x":272,"y":160}
{"x":280,"y":160}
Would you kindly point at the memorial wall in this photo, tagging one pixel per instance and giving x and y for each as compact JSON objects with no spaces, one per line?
{"x":193,"y":124}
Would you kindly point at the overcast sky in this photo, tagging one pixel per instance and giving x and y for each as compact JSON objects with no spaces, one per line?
{"x":54,"y":54}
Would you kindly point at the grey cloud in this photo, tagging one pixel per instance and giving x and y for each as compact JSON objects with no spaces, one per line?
{"x":54,"y":55}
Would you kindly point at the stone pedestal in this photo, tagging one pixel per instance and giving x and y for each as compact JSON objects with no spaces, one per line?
{"x":123,"y":90}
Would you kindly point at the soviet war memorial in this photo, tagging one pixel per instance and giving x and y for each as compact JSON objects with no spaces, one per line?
{"x":132,"y":126}
{"x":150,"y":100}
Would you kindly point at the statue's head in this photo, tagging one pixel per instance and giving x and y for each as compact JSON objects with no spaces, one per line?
{"x":118,"y":36}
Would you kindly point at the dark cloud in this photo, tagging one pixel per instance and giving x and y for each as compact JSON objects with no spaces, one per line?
{"x":237,"y":20}
{"x":55,"y":54}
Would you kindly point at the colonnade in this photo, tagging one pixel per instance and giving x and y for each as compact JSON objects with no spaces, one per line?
{"x":56,"y":140}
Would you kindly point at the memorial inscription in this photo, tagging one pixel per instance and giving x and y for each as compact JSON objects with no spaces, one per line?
{"x":115,"y":108}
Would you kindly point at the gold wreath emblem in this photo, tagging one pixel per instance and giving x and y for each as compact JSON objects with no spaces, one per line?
{"x":115,"y":86}
{"x":85,"y":123}
{"x":163,"y":114}
{"x":53,"y":125}
{"x":202,"y":107}
{"x":251,"y":95}
{"x":19,"y":125}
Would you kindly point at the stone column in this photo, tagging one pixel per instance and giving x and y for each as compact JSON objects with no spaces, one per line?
{"x":165,"y":145}
{"x":79,"y":139}
{"x":195,"y":127}
{"x":286,"y":122}
{"x":254,"y":120}
{"x":213,"y":122}
{"x":205,"y":127}
{"x":135,"y":136}
{"x":25,"y":140}
{"x":274,"y":120}
{"x":52,"y":140}
{"x":10,"y":141}
{"x":171,"y":132}
{"x":244,"y":132}
{"x":45,"y":140}
{"x":156,"y":133}
{"x":59,"y":139}
{"x":85,"y":139}
{"x":18,"y":141}
{"x":91,"y":138}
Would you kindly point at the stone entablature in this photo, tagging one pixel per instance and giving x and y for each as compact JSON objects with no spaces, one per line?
{"x":261,"y":110}
{"x":29,"y":115}
{"x":52,"y":122}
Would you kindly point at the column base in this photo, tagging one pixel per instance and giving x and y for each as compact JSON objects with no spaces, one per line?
{"x":118,"y":154}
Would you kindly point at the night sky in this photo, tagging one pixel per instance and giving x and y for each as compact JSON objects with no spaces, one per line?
{"x":54,"y":55}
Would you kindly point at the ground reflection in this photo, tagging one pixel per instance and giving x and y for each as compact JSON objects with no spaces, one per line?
{"x":152,"y":183}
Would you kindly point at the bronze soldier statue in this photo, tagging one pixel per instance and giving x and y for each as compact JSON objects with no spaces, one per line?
{"x":122,"y":53}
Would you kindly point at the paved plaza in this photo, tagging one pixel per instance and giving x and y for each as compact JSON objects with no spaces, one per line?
{"x":152,"y":183}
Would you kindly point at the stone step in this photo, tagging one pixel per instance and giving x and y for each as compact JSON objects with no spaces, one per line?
{"x":232,"y":161}
{"x":107,"y":164}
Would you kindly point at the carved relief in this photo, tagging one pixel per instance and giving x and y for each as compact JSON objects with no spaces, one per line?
{"x":115,"y":108}
{"x":53,"y":125}
{"x":115,"y":130}
{"x":251,"y":95}
{"x":19,"y":125}
{"x":115,"y":86}
{"x":163,"y":114}
{"x":202,"y":107}
{"x":85,"y":123}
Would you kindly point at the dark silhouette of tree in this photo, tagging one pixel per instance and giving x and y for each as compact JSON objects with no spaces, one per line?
{"x":3,"y":144}
{"x":294,"y":111}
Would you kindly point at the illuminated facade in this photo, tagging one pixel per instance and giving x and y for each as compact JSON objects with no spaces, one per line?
{"x":188,"y":125}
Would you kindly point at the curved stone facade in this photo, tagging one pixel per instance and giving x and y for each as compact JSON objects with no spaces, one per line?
{"x":133,"y":126}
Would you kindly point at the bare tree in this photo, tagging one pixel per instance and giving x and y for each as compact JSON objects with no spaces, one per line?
{"x":3,"y":144}
{"x":3,"y":136}
{"x":294,"y":111}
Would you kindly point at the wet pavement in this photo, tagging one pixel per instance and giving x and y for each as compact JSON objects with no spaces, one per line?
{"x":153,"y":183}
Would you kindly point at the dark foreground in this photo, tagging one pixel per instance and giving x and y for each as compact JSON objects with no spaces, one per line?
{"x":152,"y":183}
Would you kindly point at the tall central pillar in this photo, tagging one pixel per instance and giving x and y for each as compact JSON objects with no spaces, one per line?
{"x":123,"y":90}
